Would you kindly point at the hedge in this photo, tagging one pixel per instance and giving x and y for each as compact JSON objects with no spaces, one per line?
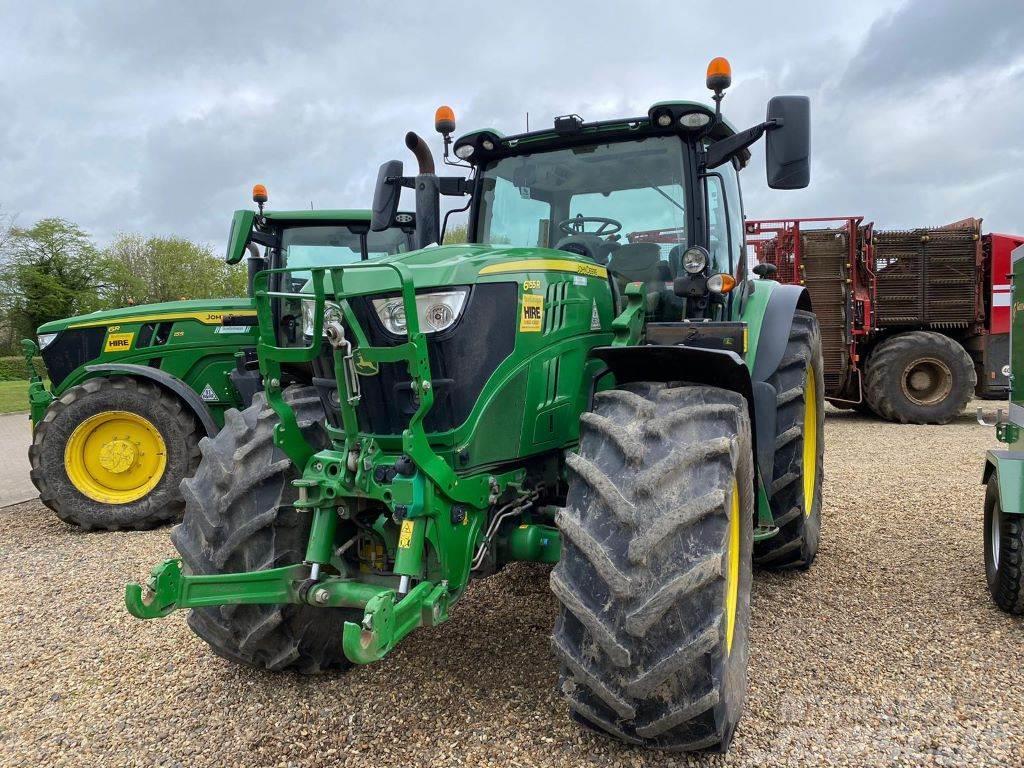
{"x":13,"y":368}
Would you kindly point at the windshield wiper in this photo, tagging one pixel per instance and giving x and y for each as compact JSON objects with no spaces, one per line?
{"x":669,"y":198}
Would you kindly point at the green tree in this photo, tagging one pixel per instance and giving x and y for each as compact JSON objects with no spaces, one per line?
{"x":50,"y":270}
{"x":140,"y":270}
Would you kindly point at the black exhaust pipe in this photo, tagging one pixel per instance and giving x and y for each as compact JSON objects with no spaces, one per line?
{"x":255,"y":263}
{"x":421,"y":150}
{"x":428,"y":193}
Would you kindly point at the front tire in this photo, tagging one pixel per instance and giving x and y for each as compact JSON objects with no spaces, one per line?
{"x":110,"y":453}
{"x":239,"y":517}
{"x":654,"y":578}
{"x":794,"y":491}
{"x":1004,"y":552}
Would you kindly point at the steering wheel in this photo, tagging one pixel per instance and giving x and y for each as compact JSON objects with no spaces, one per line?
{"x":577,"y":225}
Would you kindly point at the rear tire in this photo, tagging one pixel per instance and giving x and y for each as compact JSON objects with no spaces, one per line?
{"x":795,"y":496}
{"x":1004,"y":552}
{"x":654,"y":578}
{"x":154,"y":411}
{"x":919,"y":377}
{"x":238,"y":517}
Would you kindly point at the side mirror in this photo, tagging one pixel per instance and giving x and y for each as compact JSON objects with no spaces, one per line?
{"x":788,"y":147}
{"x":386,"y":195}
{"x":238,"y":238}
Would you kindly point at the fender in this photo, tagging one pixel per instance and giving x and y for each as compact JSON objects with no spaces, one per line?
{"x":188,"y":396}
{"x":770,"y":324}
{"x":773,"y":325}
{"x":655,"y":362}
{"x":1008,"y":467}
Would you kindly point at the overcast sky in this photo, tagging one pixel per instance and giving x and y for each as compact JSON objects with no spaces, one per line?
{"x":157,"y":117}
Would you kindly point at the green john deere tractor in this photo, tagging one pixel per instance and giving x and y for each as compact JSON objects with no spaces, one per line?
{"x":646,"y":417}
{"x":133,"y":390}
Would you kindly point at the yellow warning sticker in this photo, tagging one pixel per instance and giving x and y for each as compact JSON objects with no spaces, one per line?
{"x":405,"y":535}
{"x":119,"y":342}
{"x":533,"y":313}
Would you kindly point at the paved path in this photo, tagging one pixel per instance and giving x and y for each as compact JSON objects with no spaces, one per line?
{"x":15,"y":437}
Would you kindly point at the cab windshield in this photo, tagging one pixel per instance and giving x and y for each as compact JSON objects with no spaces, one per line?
{"x":327,"y":245}
{"x":622,"y":204}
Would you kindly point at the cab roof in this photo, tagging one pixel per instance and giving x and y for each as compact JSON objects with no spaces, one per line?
{"x":571,"y":130}
{"x":354,"y":215}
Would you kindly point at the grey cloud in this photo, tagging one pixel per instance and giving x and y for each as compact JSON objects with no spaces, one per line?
{"x":158,"y":117}
{"x":928,"y":39}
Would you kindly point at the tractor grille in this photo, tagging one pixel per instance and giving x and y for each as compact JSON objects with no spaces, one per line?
{"x":462,"y":359}
{"x":928,"y":276}
{"x":825,"y":258}
{"x":72,"y":347}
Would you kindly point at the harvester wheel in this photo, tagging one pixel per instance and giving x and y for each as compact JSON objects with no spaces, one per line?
{"x":110,"y":453}
{"x":238,"y":517}
{"x":654,"y":578}
{"x":919,"y":377}
{"x":794,"y":492}
{"x":1004,"y":552}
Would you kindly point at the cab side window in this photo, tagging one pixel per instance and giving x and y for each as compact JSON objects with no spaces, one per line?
{"x":725,"y":220}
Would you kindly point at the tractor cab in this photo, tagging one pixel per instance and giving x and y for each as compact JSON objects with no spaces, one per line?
{"x":313,"y":238}
{"x":655,"y":199}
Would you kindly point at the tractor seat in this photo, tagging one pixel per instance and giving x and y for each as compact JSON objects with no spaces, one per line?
{"x":639,"y":263}
{"x":636,"y":263}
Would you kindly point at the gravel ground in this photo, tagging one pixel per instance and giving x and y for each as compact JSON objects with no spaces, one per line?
{"x":887,"y":652}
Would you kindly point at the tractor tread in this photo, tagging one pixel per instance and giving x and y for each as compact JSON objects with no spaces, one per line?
{"x":795,"y":545}
{"x":1005,"y":578}
{"x":636,"y":663}
{"x":239,"y":517}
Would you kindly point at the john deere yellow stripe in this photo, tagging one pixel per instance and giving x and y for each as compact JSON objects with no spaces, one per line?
{"x":547,"y":265}
{"x":207,"y":318}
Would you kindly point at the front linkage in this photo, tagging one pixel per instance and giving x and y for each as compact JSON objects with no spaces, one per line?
{"x":434,"y":506}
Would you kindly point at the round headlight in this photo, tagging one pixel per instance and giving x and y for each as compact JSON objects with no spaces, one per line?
{"x":487,"y":144}
{"x":694,"y":119}
{"x":439,"y":316}
{"x":393,"y":316}
{"x":664,"y":119}
{"x":695,"y":260}
{"x":465,"y":151}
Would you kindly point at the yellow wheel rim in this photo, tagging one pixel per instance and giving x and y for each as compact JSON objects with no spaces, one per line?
{"x":115,"y":457}
{"x":810,"y":440}
{"x":732,"y":571}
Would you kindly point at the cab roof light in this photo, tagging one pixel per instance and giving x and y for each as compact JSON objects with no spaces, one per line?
{"x":444,"y":120}
{"x":719,"y":78}
{"x":259,"y":196}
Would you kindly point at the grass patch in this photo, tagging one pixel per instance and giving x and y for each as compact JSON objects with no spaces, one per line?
{"x":13,"y":396}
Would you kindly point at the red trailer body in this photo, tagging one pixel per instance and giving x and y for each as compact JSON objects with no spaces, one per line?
{"x":950,"y":281}
{"x":997,"y":249}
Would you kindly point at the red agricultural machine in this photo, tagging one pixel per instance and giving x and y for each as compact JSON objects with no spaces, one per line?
{"x":913,"y":322}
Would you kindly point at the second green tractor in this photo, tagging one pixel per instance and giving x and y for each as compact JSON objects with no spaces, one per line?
{"x":646,"y":417}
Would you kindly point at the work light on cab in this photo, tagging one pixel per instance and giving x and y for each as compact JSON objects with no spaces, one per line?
{"x":695,"y":260}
